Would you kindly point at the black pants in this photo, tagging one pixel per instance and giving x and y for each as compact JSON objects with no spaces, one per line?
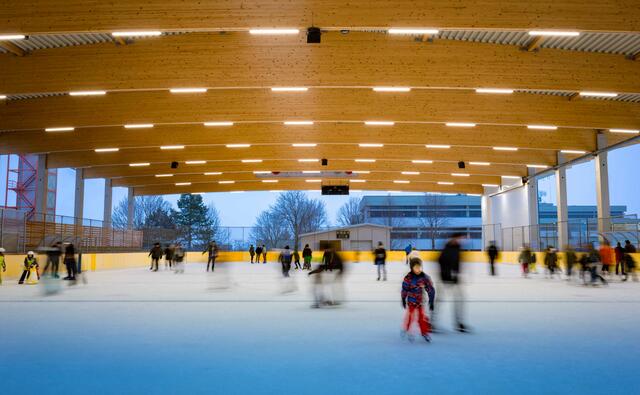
{"x":55,"y":263}
{"x":297,"y":262}
{"x":72,"y":268}
{"x":286,"y":267}
{"x":25,"y":276}
{"x":154,"y":263}
{"x":620,"y":266}
{"x":492,"y":265}
{"x":264,"y":258}
{"x":211,"y":261}
{"x":252,"y":255}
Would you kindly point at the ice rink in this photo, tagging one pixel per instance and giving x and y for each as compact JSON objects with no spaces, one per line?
{"x":236,"y":332}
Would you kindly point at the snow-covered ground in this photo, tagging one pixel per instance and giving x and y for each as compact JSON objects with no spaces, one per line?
{"x":236,"y":332}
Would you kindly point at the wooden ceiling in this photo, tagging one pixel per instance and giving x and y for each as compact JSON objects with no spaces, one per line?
{"x":213,"y":50}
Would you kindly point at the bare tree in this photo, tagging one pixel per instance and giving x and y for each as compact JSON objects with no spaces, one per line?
{"x":432,"y":217}
{"x":351,"y":213}
{"x":147,"y":211}
{"x":270,"y":230}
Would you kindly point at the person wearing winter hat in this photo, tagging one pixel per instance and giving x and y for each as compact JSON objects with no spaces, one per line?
{"x":30,"y":266}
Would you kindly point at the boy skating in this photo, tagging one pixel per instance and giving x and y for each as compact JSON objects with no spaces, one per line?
{"x":415,"y":283}
{"x":30,"y":269}
{"x":3,"y":265}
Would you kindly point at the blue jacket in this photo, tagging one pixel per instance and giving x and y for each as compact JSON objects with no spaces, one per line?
{"x":413,"y":287}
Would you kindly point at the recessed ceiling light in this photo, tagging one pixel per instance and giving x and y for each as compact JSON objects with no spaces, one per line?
{"x":412,"y":31}
{"x":164,"y":175}
{"x":195,"y":162}
{"x":107,"y":149}
{"x":168,"y":147}
{"x":494,"y":90}
{"x":473,"y":194}
{"x":238,"y":145}
{"x":188,"y":90}
{"x":630,"y":131}
{"x":391,"y":89}
{"x":308,"y":160}
{"x":293,"y":123}
{"x":411,"y":173}
{"x":289,"y":89}
{"x":438,"y":146}
{"x":270,"y":181}
{"x":87,"y":93}
{"x":147,"y":33}
{"x":379,"y":123}
{"x":213,"y":173}
{"x":371,"y":145}
{"x":304,"y":145}
{"x":542,"y":127}
{"x":218,"y":123}
{"x":261,"y":172}
{"x":274,"y":31}
{"x":505,"y":148}
{"x":401,"y":181}
{"x":62,"y":129}
{"x":513,"y":177}
{"x":138,"y":126}
{"x":357,"y":180}
{"x":365,"y":160}
{"x":6,"y":37}
{"x":460,"y":124}
{"x":480,"y":163}
{"x":460,"y":174}
{"x":251,"y":160}
{"x":538,"y":166}
{"x":572,"y":151}
{"x":361,"y":172}
{"x":182,"y":184}
{"x":226,"y":182}
{"x":311,"y":172}
{"x":551,"y":33}
{"x":422,"y":161}
{"x":598,"y":94}
{"x":140,"y":164}
{"x":490,"y":185}
{"x":313,"y":180}
{"x":444,"y":183}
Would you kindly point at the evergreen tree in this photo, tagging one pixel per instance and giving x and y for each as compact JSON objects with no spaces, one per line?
{"x":193,"y":220}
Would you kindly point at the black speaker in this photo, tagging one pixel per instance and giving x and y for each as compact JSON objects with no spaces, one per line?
{"x":313,"y":35}
{"x":461,"y":165}
{"x":174,"y":165}
{"x":325,"y":162}
{"x":335,"y":189}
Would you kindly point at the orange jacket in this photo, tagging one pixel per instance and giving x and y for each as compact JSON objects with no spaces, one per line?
{"x":606,"y":255}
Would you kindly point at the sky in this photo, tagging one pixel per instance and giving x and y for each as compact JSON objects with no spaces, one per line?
{"x":242,"y":209}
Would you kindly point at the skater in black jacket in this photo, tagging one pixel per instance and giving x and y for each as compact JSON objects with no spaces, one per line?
{"x":380,"y":260}
{"x":450,"y":274}
{"x":155,"y":254}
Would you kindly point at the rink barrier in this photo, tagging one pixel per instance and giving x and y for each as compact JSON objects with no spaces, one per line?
{"x":113,"y":261}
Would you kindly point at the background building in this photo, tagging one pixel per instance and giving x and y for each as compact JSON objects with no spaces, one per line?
{"x":362,"y":237}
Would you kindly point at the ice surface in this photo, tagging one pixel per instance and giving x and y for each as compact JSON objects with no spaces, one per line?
{"x":236,"y":332}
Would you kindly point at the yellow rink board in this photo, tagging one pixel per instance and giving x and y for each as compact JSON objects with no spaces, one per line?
{"x":110,"y":261}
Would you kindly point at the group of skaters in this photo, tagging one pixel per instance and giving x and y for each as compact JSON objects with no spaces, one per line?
{"x":173,"y":257}
{"x":287,"y":257}
{"x":593,"y":266}
{"x":31,"y":267}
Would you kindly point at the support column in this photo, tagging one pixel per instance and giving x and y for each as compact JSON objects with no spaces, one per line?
{"x":532,"y":199}
{"x":602,"y":186}
{"x":561,"y":203}
{"x":41,"y":189}
{"x":78,"y":211}
{"x":108,"y":200}
{"x":130,"y":208}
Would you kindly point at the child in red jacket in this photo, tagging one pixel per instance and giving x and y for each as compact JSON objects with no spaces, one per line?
{"x":415,"y":283}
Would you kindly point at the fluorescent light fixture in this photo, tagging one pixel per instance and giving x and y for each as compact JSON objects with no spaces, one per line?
{"x":538,"y":166}
{"x":505,"y":148}
{"x":182,"y":184}
{"x":218,"y":123}
{"x":411,"y":173}
{"x":444,"y":183}
{"x":572,"y":151}
{"x":276,"y":190}
{"x":236,"y":192}
{"x":460,"y":124}
{"x":598,"y":94}
{"x":197,"y":193}
{"x":438,"y":146}
{"x":62,"y":129}
{"x":138,"y":126}
{"x":551,"y":33}
{"x":480,"y":163}
{"x":87,"y":93}
{"x":273,"y":31}
{"x":357,"y":180}
{"x":188,"y":90}
{"x":460,"y":174}
{"x":313,"y":180}
{"x":2,"y":97}
{"x":542,"y":127}
{"x":371,"y":145}
{"x":379,"y":123}
{"x":311,"y":172}
{"x":168,"y":147}
{"x":308,"y":160}
{"x":494,"y":90}
{"x":365,"y":160}
{"x":473,"y":194}
{"x":490,"y":185}
{"x":226,"y":182}
{"x":213,"y":173}
{"x":401,"y":181}
{"x":195,"y":162}
{"x":391,"y":89}
{"x":270,"y":181}
{"x":304,"y":145}
{"x":513,"y":177}
{"x":5,"y":37}
{"x":107,"y":149}
{"x":140,"y":164}
{"x":629,"y":131}
{"x":251,"y":160}
{"x":361,"y":172}
{"x":293,"y":123}
{"x":164,"y":175}
{"x":261,"y":172}
{"x":289,"y":89}
{"x":238,"y":145}
{"x":147,"y":33}
{"x":412,"y":31}
{"x":422,"y":161}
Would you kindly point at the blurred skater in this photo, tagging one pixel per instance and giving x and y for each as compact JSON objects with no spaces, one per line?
{"x":380,"y":260}
{"x":525,"y":258}
{"x":619,"y":253}
{"x":30,"y":269}
{"x":296,"y":259}
{"x":407,"y":251}
{"x":414,"y":285}
{"x":323,"y":278}
{"x":252,"y":252}
{"x":3,"y":264}
{"x":155,"y":254}
{"x":551,"y":262}
{"x":306,"y":256}
{"x":570,"y":260}
{"x":606,"y":257}
{"x":591,"y":263}
{"x":258,"y":253}
{"x":285,"y":259}
{"x":212,"y":251}
{"x":168,"y":256}
{"x":630,"y":263}
{"x":492,"y":253}
{"x":53,"y":259}
{"x":70,"y":262}
{"x":178,"y":256}
{"x":264,"y":254}
{"x":450,"y":274}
